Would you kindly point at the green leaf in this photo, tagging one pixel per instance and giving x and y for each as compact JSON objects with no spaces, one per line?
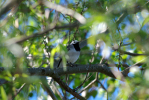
{"x":64,"y":63}
{"x":94,"y":93}
{"x":30,"y":94}
{"x":124,"y":56}
{"x":57,"y":1}
{"x":91,"y":41}
{"x":3,"y":93}
{"x":145,"y":21}
{"x":52,"y":57}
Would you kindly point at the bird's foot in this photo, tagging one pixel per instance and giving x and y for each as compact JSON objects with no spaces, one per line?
{"x":72,"y":65}
{"x":75,"y":65}
{"x":69,"y":64}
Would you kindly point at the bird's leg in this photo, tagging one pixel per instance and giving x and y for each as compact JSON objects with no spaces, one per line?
{"x":69,"y":64}
{"x":75,"y":65}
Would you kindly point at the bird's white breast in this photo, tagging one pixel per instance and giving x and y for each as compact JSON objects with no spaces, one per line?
{"x":73,"y":55}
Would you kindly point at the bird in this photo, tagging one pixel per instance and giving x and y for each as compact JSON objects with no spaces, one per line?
{"x":73,"y":53}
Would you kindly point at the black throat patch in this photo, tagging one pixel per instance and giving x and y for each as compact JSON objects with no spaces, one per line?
{"x":76,"y":46}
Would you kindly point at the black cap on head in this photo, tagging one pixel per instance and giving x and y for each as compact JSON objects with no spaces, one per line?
{"x":76,"y":45}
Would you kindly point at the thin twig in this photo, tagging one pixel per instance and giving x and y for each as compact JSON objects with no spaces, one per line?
{"x":136,"y":64}
{"x":101,"y":61}
{"x":127,"y":44}
{"x":81,"y":14}
{"x":119,"y":59}
{"x":82,"y":82}
{"x":18,"y":91}
{"x":55,"y":88}
{"x":47,"y":88}
{"x":24,"y":38}
{"x":86,"y":76}
{"x":132,"y":54}
{"x":69,"y":31}
{"x":102,"y":85}
{"x":65,"y":17}
{"x":91,"y":83}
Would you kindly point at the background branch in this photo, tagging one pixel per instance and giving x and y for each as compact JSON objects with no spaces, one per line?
{"x":47,"y":88}
{"x":8,"y":6}
{"x":24,"y":38}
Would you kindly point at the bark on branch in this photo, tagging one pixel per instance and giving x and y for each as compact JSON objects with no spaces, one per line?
{"x":8,"y":6}
{"x":102,"y":68}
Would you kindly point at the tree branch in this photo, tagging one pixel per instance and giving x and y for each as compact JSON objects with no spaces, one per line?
{"x":24,"y":38}
{"x":102,"y":68}
{"x":18,"y":91}
{"x":55,"y":88}
{"x":64,"y":10}
{"x":68,"y":89}
{"x":47,"y":88}
{"x":8,"y":6}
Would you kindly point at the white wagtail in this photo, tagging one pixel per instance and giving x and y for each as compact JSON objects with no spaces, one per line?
{"x":73,"y":53}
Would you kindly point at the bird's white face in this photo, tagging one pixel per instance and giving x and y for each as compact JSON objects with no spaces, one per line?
{"x":74,"y":42}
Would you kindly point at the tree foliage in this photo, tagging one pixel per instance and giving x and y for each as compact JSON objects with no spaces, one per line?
{"x":113,"y":37}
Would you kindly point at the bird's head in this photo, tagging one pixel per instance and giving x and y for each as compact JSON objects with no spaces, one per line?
{"x":74,"y":42}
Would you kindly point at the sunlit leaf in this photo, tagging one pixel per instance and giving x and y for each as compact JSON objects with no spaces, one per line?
{"x":3,"y":93}
{"x":52,"y":57}
{"x":57,"y":1}
{"x":145,"y":21}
